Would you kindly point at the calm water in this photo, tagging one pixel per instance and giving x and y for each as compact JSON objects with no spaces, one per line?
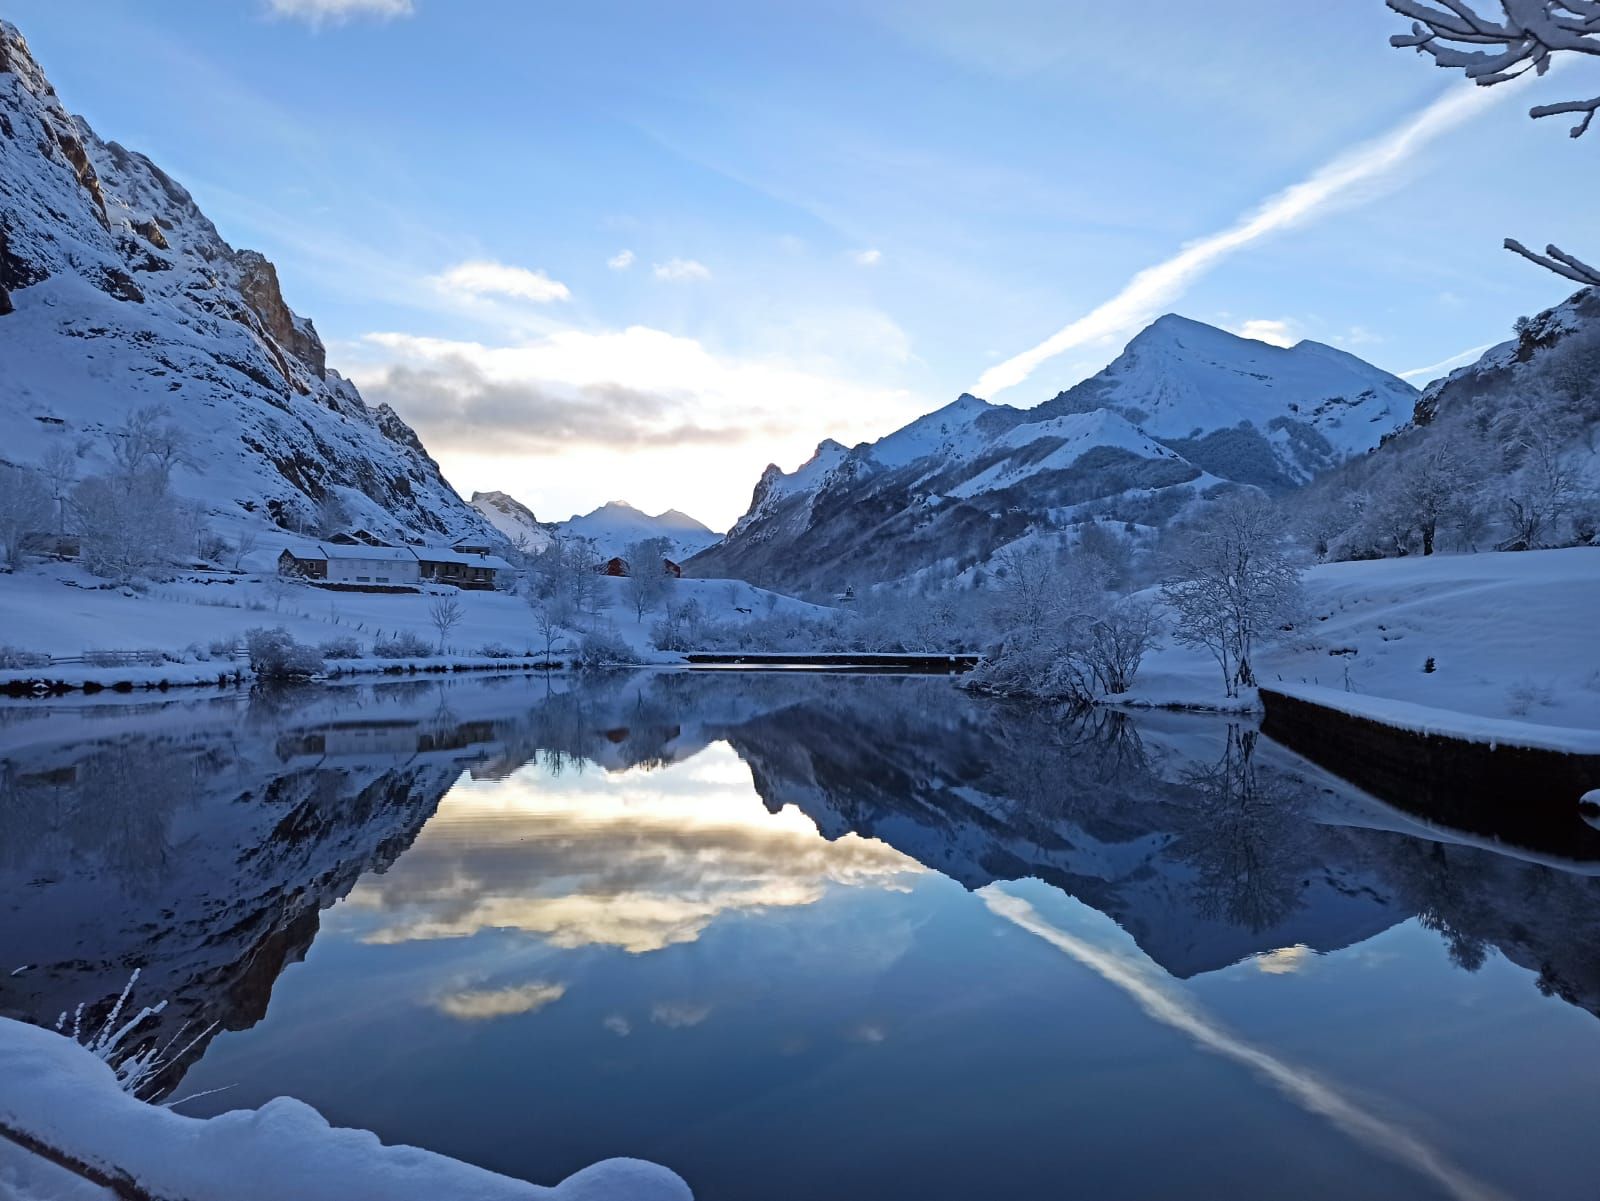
{"x":810,"y":937}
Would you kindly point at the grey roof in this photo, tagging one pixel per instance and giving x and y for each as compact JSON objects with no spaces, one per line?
{"x":400,"y":554}
{"x":445,"y":554}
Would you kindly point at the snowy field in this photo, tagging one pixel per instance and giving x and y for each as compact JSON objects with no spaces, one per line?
{"x":64,"y":612}
{"x":1509,"y":636}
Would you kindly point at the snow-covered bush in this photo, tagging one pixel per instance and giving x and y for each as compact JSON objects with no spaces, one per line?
{"x":343,"y":647}
{"x":496,"y":650}
{"x":275,"y":655}
{"x":14,"y":657}
{"x":603,"y":648}
{"x":25,"y":508}
{"x":404,"y":645}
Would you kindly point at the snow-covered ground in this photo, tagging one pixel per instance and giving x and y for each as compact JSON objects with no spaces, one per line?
{"x":1508,"y":636}
{"x":60,"y":1096}
{"x":62,"y":611}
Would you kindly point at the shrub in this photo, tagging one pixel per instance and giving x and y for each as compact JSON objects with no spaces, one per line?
{"x":275,"y":655}
{"x":404,"y":645}
{"x":221,"y":648}
{"x":496,"y":650}
{"x":341,"y":648}
{"x":15,"y":657}
{"x":602,"y":648}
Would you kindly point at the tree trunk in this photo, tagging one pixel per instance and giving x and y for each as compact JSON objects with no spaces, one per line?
{"x":1427,"y":537}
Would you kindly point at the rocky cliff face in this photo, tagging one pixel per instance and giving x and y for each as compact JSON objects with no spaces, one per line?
{"x":1186,"y":408}
{"x":117,"y":293}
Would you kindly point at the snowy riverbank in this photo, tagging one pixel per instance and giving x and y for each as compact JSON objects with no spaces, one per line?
{"x":1506,"y":638}
{"x":66,"y":1105}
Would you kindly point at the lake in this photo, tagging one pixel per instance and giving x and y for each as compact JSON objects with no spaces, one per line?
{"x":842,"y":936}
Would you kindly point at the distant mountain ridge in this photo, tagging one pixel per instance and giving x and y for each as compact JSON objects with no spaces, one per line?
{"x":616,"y":523}
{"x":1184,"y":409}
{"x":117,"y":293}
{"x":612,"y":527}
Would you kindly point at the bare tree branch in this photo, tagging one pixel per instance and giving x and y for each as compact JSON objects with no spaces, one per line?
{"x":1529,"y":35}
{"x":1554,"y":259}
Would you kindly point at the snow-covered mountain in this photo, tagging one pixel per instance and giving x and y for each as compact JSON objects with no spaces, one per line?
{"x":1183,"y":409}
{"x":117,"y":293}
{"x":616,"y":523}
{"x":515,"y":520}
{"x":1507,"y":447}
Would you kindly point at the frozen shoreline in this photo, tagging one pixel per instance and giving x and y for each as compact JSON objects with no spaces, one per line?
{"x":61,"y":1100}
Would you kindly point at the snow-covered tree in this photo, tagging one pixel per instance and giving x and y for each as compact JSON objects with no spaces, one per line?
{"x":566,"y":573}
{"x":129,"y":525}
{"x":1492,"y":41}
{"x":59,"y":466}
{"x":1434,"y":485}
{"x":147,"y":440}
{"x":1231,"y":584}
{"x":1542,"y":492}
{"x":647,"y":582}
{"x":25,"y":508}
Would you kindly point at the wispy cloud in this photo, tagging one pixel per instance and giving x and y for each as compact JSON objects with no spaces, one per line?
{"x":682,"y":269}
{"x":1316,"y":1096}
{"x":485,"y":277}
{"x":1348,"y":178}
{"x":870,"y":257}
{"x":621,"y":261}
{"x":1432,"y":370}
{"x":337,"y":12}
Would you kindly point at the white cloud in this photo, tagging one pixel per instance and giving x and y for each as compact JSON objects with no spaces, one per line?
{"x":621,"y":261}
{"x":685,"y":423}
{"x":1272,"y":332}
{"x":681,"y":269}
{"x":868,"y":258}
{"x":475,"y":1005}
{"x":337,"y":12}
{"x":1346,"y":179}
{"x":485,"y":277}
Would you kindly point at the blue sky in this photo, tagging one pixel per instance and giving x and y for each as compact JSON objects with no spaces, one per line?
{"x":641,"y":250}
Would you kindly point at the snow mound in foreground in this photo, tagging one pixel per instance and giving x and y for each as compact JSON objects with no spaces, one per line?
{"x":60,"y":1096}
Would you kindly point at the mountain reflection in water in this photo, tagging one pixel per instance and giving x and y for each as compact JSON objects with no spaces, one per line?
{"x":513,"y":893}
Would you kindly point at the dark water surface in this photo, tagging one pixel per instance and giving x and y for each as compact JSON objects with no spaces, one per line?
{"x":796,"y":937}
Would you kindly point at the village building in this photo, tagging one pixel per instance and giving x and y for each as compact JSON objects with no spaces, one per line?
{"x":351,"y":564}
{"x":357,"y":563}
{"x":618,"y":566}
{"x":465,"y":568}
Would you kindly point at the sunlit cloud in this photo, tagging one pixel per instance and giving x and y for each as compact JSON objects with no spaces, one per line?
{"x":1350,"y":178}
{"x":337,"y":12}
{"x":617,"y":864}
{"x":476,"y":1005}
{"x":681,"y":269}
{"x":642,"y":393}
{"x":1285,"y":961}
{"x":868,"y":258}
{"x":1166,"y":1005}
{"x":485,"y":277}
{"x":621,"y":261}
{"x":1272,"y":332}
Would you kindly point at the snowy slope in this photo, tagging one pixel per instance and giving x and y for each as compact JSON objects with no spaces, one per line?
{"x":616,"y":523}
{"x":1508,"y":636}
{"x":117,"y":293}
{"x":514,"y":519}
{"x":1185,"y":407}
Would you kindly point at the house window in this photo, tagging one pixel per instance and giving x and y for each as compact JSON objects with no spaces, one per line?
{"x":361,"y":579}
